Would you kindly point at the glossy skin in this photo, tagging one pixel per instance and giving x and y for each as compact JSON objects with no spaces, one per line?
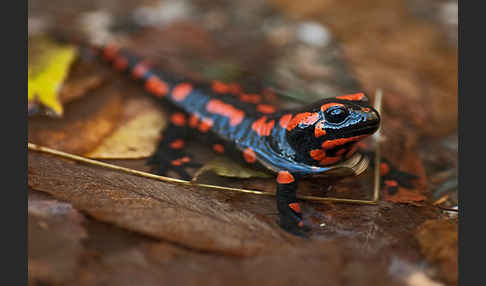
{"x":290,"y":143}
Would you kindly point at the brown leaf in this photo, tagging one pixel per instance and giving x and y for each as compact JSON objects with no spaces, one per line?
{"x":409,"y":161}
{"x":187,"y":216}
{"x":55,"y":240}
{"x":83,"y":78}
{"x":225,"y":167}
{"x":405,"y":196}
{"x":85,"y":123}
{"x":137,"y":134}
{"x":438,"y":240}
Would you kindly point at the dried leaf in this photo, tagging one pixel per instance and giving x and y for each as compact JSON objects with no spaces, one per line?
{"x":84,"y":77}
{"x":138,"y":134}
{"x":187,"y":216}
{"x":49,"y":65}
{"x":405,"y":196}
{"x":85,"y":123}
{"x":408,"y":161}
{"x":225,"y":167}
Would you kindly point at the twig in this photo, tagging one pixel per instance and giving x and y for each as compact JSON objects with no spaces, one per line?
{"x":76,"y":158}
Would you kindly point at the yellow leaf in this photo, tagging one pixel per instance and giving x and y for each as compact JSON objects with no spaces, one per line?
{"x":48,"y":67}
{"x":136,"y":139}
{"x":225,"y":167}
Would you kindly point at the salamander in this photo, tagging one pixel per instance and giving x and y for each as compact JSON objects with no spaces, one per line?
{"x":290,"y":143}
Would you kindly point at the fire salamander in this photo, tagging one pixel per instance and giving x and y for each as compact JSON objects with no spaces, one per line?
{"x":292,"y":144}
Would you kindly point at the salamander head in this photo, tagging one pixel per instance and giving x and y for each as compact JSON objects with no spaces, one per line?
{"x":326,"y":132}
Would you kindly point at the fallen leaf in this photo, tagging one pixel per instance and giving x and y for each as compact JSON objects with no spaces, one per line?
{"x":83,"y":78}
{"x":84,"y":125}
{"x":49,"y":65}
{"x":187,"y":216}
{"x":405,"y":196}
{"x":407,"y":161}
{"x":138,"y":133}
{"x":225,"y":167}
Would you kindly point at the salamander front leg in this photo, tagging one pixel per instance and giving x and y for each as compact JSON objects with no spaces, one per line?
{"x":287,"y":205}
{"x":170,"y":154}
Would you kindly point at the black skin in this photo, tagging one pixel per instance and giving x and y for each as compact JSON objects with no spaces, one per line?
{"x":289,"y":219}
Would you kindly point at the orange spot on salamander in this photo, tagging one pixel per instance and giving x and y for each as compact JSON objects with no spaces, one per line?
{"x":218,"y":148}
{"x":391,"y":183}
{"x":295,"y":207}
{"x":304,"y":118}
{"x":185,"y":159}
{"x":234,"y":88}
{"x":261,"y":127}
{"x":269,"y":95}
{"x":284,"y":177}
{"x":181,"y":91}
{"x":329,"y":144}
{"x":330,"y":160}
{"x":180,"y":161}
{"x":139,"y":70}
{"x":178,"y":119}
{"x":384,"y":169}
{"x":120,"y":63}
{"x":177,"y":144}
{"x":235,"y":115}
{"x":249,"y":155}
{"x":324,"y":107}
{"x":317,"y":154}
{"x":110,"y":52}
{"x":341,"y":151}
{"x":320,"y":155}
{"x":352,"y":150}
{"x":356,"y":96}
{"x":284,"y":120}
{"x":193,"y":120}
{"x":265,"y":108}
{"x":220,"y":87}
{"x":250,"y":98}
{"x":156,"y":86}
{"x":205,"y":125}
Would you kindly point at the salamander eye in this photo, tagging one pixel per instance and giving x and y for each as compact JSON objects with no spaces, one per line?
{"x":336,"y":114}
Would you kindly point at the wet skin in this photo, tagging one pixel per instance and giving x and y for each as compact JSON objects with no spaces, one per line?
{"x":292,"y":144}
